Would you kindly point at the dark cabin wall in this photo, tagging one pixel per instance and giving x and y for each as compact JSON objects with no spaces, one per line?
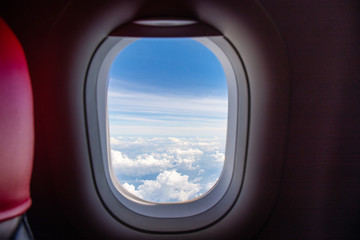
{"x":320,"y":193}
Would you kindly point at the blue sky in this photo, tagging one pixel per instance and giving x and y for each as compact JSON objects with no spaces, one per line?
{"x":171,"y":66}
{"x":171,"y":86}
{"x":167,"y":104}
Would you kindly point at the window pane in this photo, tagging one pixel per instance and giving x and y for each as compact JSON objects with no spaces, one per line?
{"x":167,"y":106}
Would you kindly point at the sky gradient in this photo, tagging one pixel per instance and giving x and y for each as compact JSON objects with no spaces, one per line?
{"x":162,"y":89}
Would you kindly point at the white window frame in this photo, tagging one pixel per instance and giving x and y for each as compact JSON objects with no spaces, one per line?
{"x":167,"y":217}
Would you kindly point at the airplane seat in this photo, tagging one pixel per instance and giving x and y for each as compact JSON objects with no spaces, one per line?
{"x":16,"y":137}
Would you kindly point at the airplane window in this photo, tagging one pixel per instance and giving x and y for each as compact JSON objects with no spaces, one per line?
{"x":167,"y":120}
{"x":168,"y":116}
{"x":167,"y":103}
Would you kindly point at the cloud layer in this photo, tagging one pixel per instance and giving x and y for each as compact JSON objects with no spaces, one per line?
{"x":167,"y":169}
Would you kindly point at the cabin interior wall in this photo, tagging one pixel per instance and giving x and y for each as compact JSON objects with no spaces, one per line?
{"x":320,"y":192}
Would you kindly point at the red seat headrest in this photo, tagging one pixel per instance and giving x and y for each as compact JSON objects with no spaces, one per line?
{"x":16,"y":127}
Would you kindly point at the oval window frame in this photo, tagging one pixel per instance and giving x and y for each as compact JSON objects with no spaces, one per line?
{"x":168,"y":217}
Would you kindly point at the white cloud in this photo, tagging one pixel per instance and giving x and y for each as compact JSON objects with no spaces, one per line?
{"x":186,"y":157}
{"x":115,"y":141}
{"x":142,"y":165}
{"x":169,"y":186}
{"x":178,"y":141}
{"x":186,"y":152}
{"x":158,"y":163}
{"x":218,"y":156}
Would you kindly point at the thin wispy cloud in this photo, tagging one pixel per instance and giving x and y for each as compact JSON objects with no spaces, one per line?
{"x":133,"y":113}
{"x":131,"y":101}
{"x":166,"y":115}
